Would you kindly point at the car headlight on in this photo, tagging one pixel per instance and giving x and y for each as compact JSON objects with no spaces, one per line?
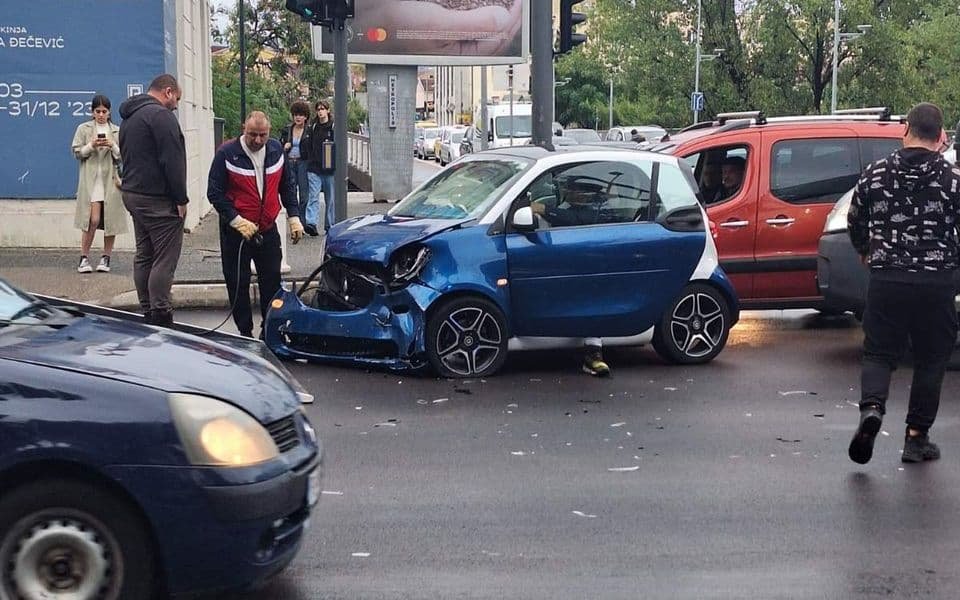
{"x":217,"y":434}
{"x":408,"y":263}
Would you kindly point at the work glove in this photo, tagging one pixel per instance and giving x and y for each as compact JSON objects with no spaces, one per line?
{"x":246,"y":228}
{"x":296,"y":229}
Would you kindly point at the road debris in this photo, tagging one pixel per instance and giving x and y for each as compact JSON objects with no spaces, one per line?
{"x":439,"y":400}
{"x":331,"y":493}
{"x":360,"y":554}
{"x":619,"y":424}
{"x":623,"y":469}
{"x":797,"y":392}
{"x":583,"y":514}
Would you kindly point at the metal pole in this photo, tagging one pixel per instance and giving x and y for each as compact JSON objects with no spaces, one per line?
{"x":484,"y":126}
{"x":836,"y":52}
{"x":541,"y":46}
{"x":611,"y":104}
{"x":696,"y":76}
{"x":243,"y":65}
{"x":511,"y":104}
{"x":341,"y":83}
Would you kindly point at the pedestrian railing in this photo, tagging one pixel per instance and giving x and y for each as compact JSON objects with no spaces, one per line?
{"x":358,"y":160}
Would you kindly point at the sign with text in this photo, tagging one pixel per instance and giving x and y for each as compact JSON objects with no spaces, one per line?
{"x":54,"y":56}
{"x":433,"y":32}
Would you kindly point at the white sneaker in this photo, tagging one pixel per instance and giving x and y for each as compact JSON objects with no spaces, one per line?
{"x":84,"y":266}
{"x":104,"y":266}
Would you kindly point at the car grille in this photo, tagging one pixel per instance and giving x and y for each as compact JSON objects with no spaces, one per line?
{"x":332,"y":345}
{"x":284,"y":434}
{"x":346,"y":283}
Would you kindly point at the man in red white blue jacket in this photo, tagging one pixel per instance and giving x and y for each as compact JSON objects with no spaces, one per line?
{"x":248,"y":181}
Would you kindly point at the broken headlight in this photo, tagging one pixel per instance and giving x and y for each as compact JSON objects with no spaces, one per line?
{"x":408,"y":263}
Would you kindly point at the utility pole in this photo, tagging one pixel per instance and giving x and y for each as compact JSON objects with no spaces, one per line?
{"x":341,"y":83}
{"x":243,"y":64}
{"x":836,"y":51}
{"x":541,"y":46}
{"x":696,"y":76}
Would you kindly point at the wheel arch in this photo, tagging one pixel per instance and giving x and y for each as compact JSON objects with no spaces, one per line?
{"x":67,"y":470}
{"x":467,"y":293}
{"x":733,"y":302}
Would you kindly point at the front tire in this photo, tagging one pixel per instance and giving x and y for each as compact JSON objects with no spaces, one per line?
{"x":62,"y":538}
{"x":466,"y":337}
{"x":695,"y":327}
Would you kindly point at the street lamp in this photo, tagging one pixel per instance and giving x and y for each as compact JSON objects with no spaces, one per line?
{"x":700,"y":58}
{"x":837,"y":36}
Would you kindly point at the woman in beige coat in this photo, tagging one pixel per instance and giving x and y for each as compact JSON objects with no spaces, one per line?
{"x":99,"y":205}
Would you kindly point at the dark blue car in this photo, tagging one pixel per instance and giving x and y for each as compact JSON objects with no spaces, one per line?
{"x":135,"y":459}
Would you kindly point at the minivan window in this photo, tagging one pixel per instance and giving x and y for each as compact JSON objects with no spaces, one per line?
{"x":815,"y":170}
{"x":707,"y":166}
{"x":522,"y":126}
{"x":465,"y":189}
{"x":873,"y":149}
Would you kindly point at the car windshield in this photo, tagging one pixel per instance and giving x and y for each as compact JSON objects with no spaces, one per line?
{"x":522,"y":126}
{"x":466,"y":189}
{"x":430,"y":133}
{"x":455,"y":138}
{"x":582,"y":136}
{"x":14,"y":304}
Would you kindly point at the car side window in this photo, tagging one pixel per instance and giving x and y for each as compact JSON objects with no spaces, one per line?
{"x":873,"y":149}
{"x":675,"y":189}
{"x":814,"y":171}
{"x":594,"y":193}
{"x":719,"y":172}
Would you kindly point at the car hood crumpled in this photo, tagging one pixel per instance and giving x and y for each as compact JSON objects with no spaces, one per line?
{"x":161,"y":359}
{"x":374,"y":238}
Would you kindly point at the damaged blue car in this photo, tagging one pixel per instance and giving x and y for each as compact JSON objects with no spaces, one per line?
{"x":518,"y":248}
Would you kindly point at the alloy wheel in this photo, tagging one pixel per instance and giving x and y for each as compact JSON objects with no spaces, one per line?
{"x":468,"y":341}
{"x":697,"y":325}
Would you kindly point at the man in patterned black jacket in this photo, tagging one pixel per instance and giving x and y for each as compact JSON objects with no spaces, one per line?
{"x":903,"y":223}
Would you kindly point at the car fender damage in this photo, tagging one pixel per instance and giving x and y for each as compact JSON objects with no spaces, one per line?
{"x":356,"y":311}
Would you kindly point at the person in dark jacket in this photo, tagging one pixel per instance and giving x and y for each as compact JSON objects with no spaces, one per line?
{"x":319,"y":151}
{"x":249,"y":178}
{"x":903,"y":223}
{"x":154,"y":188}
{"x":291,"y":139}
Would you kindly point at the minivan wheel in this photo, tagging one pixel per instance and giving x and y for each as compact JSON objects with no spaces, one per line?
{"x":67,"y":539}
{"x":466,"y":337}
{"x":694,"y":328}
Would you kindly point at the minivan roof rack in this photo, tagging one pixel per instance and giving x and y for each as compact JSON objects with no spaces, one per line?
{"x":882,"y":113}
{"x":756,"y":115}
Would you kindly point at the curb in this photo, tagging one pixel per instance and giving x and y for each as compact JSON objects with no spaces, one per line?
{"x":191,"y":296}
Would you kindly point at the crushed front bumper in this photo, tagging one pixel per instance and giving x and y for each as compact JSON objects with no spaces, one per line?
{"x":388,"y":332}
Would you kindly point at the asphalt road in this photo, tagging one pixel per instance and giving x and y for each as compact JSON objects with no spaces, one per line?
{"x":727,"y":480}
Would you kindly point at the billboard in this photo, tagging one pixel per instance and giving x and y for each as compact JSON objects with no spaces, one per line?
{"x":433,"y":32}
{"x":54,"y":56}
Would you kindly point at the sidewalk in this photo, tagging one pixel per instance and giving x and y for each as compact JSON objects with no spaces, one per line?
{"x":199,"y":279}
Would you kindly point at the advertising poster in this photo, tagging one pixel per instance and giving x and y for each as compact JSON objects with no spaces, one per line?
{"x":54,"y":56}
{"x":433,"y":32}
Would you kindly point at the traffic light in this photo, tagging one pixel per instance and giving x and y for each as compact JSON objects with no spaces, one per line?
{"x":310,"y":10}
{"x":569,"y":20}
{"x":322,"y":12}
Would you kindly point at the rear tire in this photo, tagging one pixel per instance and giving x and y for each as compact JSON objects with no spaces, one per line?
{"x":63,"y":536}
{"x":466,"y":337}
{"x":695,"y":327}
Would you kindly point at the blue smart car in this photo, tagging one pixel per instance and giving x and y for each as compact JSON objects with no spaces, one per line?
{"x":135,"y":459}
{"x":513,"y":249}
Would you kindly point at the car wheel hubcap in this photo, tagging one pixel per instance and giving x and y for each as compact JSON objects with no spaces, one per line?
{"x":696,"y":325}
{"x":59,"y":559}
{"x":468,"y":341}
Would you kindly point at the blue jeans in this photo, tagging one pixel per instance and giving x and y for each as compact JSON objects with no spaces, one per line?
{"x":320,"y":183}
{"x":298,"y":168}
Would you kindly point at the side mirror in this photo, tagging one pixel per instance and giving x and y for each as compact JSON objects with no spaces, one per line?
{"x":524,"y":219}
{"x":490,"y":136}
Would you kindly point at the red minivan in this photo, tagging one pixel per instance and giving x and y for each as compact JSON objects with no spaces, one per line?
{"x":768,"y":228}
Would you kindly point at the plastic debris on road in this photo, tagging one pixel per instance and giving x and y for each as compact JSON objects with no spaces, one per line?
{"x":623,"y":469}
{"x":360,"y":554}
{"x":439,"y":400}
{"x":797,"y":393}
{"x":331,"y":493}
{"x":618,"y":424}
{"x":583,"y":514}
{"x":520,"y":453}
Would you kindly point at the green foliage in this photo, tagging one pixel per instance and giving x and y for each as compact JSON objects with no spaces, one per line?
{"x":262,"y":94}
{"x":778,"y":56}
{"x":356,"y":115}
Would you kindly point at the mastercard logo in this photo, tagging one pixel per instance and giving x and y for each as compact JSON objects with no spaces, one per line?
{"x":376,"y":34}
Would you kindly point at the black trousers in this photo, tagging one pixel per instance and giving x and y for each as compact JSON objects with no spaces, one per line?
{"x":236,"y":272}
{"x":896,"y":311}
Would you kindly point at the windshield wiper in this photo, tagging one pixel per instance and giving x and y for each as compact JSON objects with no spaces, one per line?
{"x":33,"y":307}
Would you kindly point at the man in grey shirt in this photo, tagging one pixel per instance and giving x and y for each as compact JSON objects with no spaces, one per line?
{"x":154,"y":189}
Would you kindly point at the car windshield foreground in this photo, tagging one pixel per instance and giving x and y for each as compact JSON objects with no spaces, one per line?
{"x":135,"y":459}
{"x":463,"y":190}
{"x":516,"y":249}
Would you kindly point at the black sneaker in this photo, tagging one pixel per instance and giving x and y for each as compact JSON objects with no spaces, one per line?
{"x":593,"y":364}
{"x":861,"y":446}
{"x":104,"y":266}
{"x":918,"y":448}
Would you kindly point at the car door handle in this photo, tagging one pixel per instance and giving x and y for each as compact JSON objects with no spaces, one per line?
{"x":734,"y":224}
{"x":780,"y":220}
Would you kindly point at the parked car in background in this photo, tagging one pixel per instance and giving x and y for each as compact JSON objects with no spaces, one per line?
{"x":512,"y":249}
{"x":135,"y":459}
{"x":582,"y":136}
{"x":841,"y":277}
{"x":624,"y":133}
{"x":424,"y":144}
{"x":444,"y":136}
{"x":450,"y":148}
{"x":470,"y":142}
{"x":768,"y":227}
